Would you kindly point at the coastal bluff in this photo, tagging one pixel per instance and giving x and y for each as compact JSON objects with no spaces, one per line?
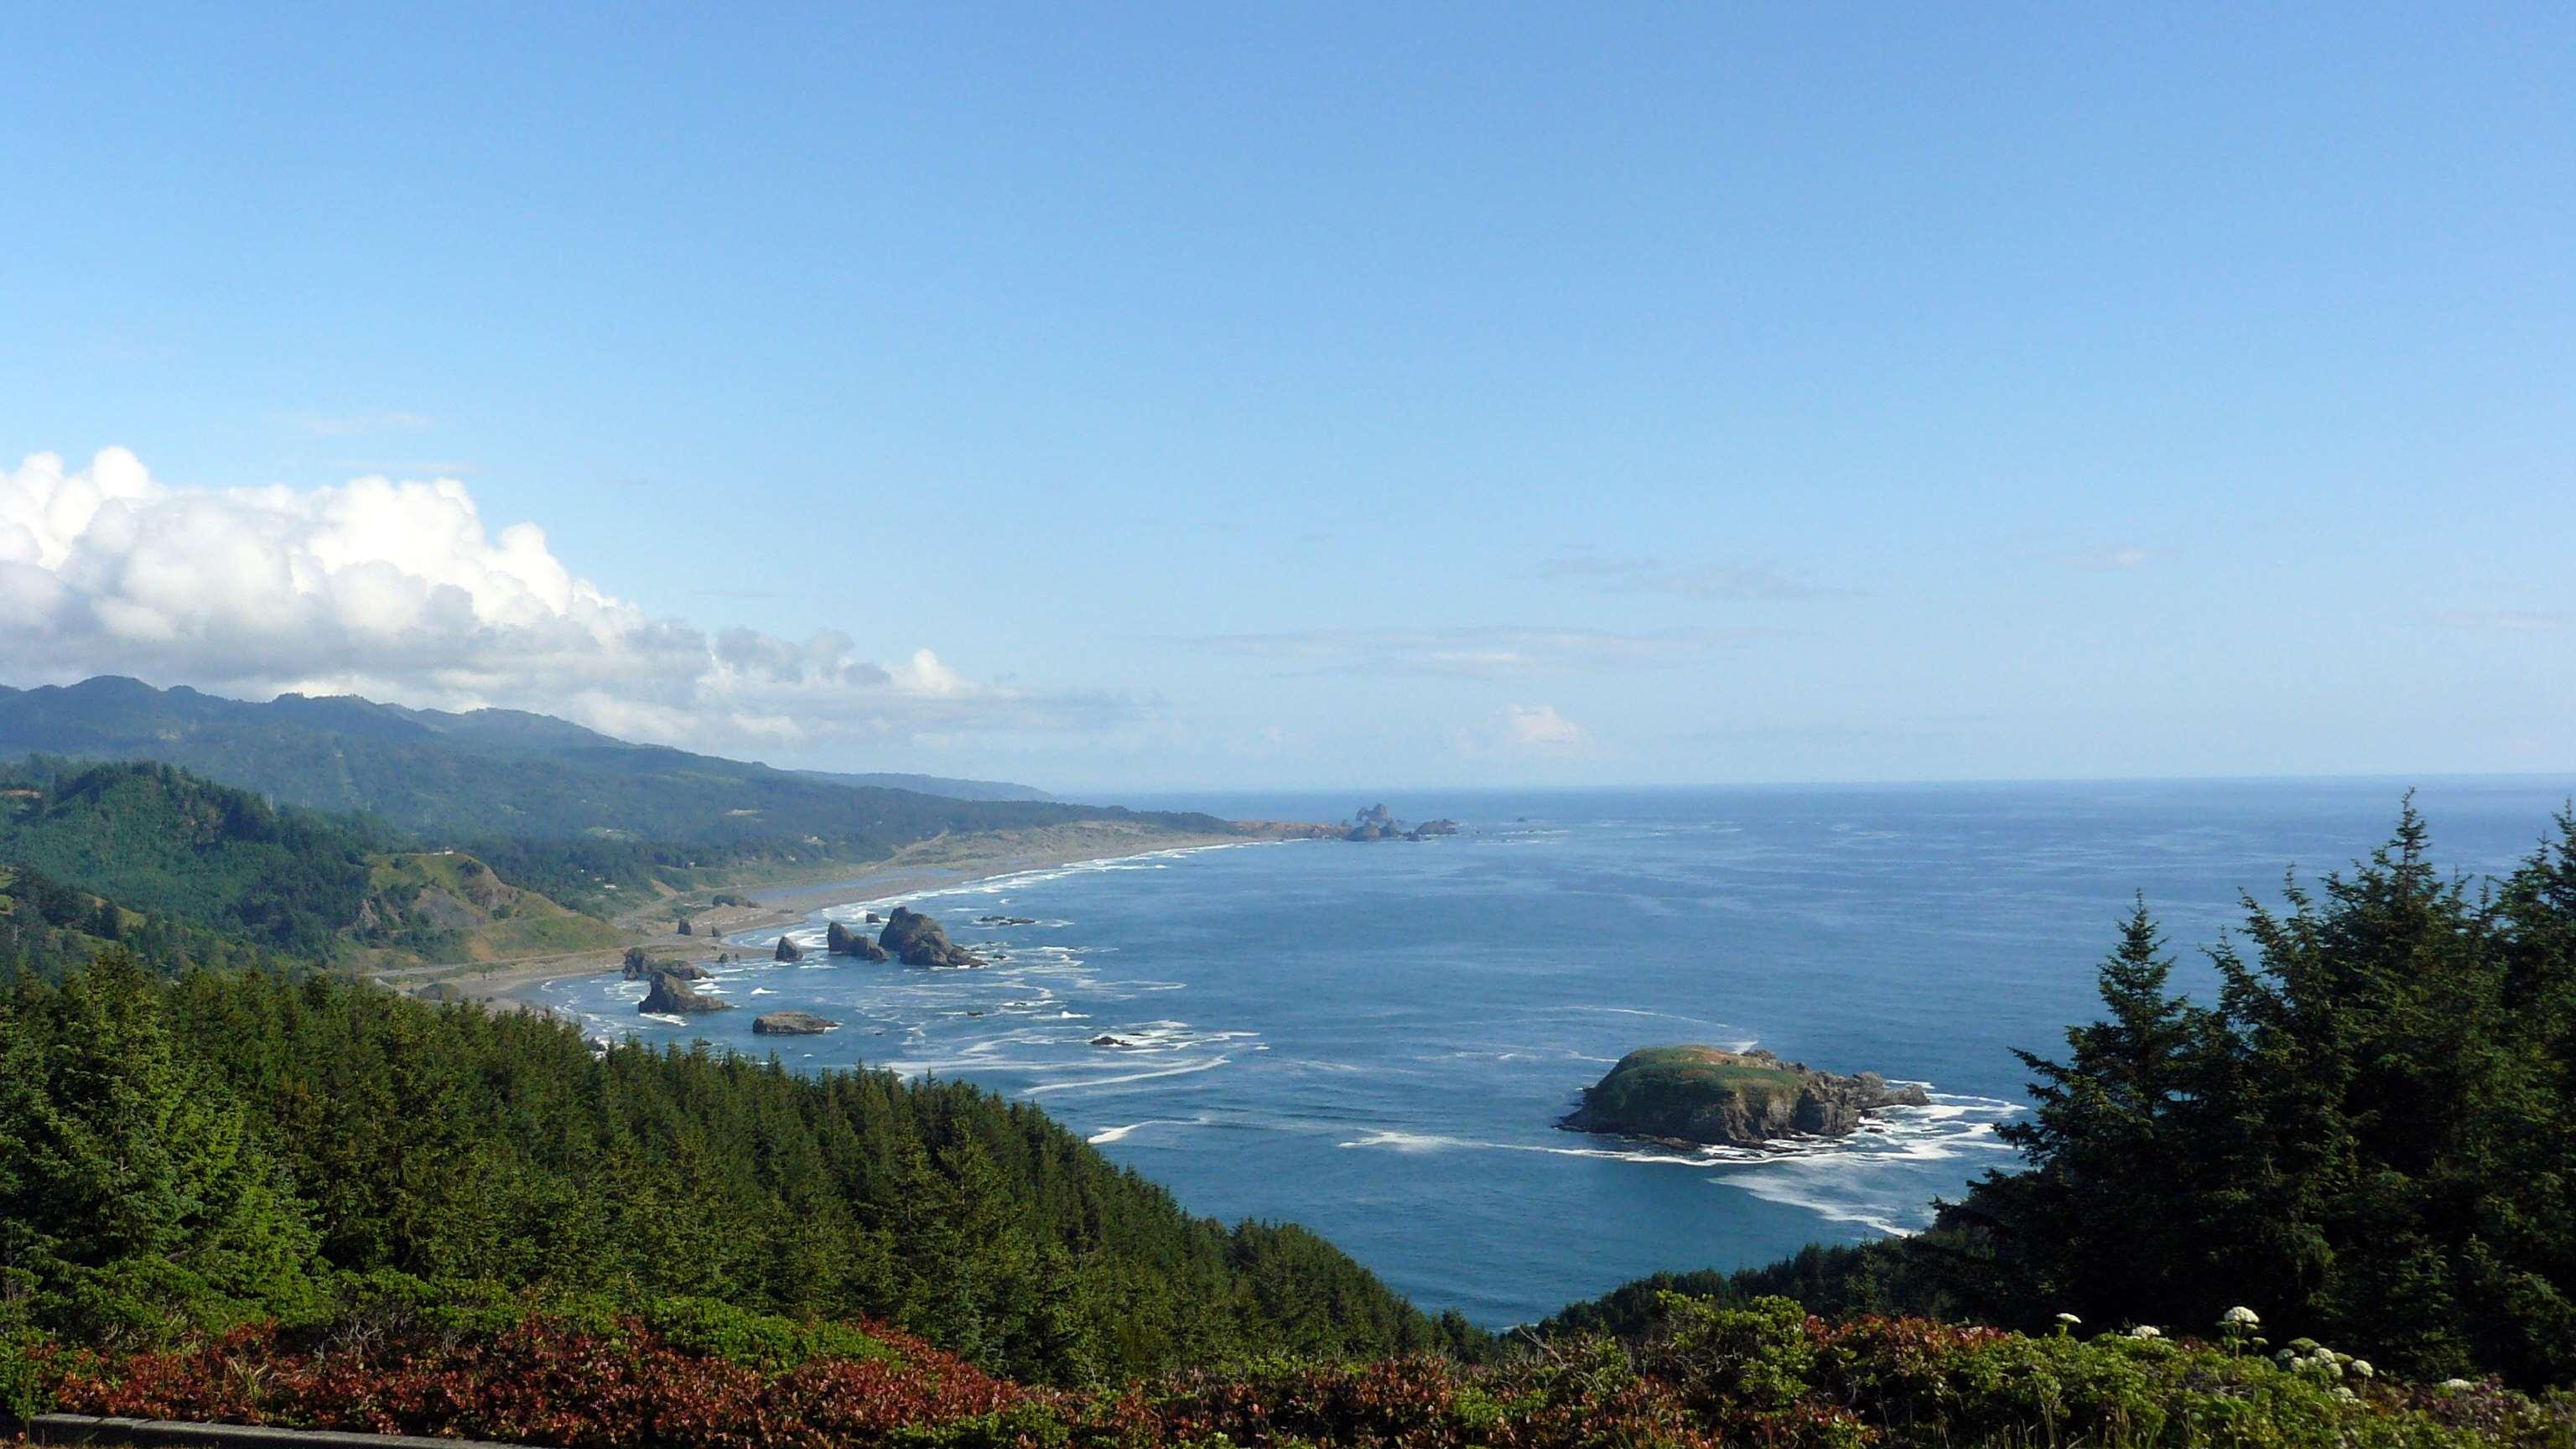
{"x":1706,"y":1097}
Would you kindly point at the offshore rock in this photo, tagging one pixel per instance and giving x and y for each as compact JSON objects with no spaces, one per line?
{"x":1707,"y":1097}
{"x":671,"y":996}
{"x":917,"y":940}
{"x":840,"y":940}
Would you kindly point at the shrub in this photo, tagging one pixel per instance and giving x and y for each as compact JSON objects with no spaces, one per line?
{"x":696,"y":1374}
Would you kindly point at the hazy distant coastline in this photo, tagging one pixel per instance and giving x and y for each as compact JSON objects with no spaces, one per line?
{"x":786,"y":899}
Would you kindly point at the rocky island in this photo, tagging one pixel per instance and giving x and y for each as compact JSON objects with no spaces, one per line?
{"x":840,"y":940}
{"x":640,"y":967}
{"x":1702,"y":1096}
{"x":791,"y":1023}
{"x":1379,"y":823}
{"x":917,"y":940}
{"x":671,"y":996}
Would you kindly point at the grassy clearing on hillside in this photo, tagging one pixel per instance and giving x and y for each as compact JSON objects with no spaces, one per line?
{"x":464,"y":914}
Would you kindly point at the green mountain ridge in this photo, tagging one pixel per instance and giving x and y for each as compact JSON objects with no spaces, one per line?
{"x":501,"y":772}
{"x":592,"y":821}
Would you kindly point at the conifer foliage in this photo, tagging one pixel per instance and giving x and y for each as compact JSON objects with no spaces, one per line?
{"x":184,"y":1155}
{"x":2371,"y":1131}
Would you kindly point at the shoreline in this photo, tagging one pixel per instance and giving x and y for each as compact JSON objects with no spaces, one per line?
{"x":927,"y":866}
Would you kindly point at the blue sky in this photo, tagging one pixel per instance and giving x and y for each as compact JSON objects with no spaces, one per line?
{"x":1318,"y":395}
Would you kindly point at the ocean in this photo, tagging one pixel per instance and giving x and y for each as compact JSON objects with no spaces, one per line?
{"x":1375,"y":1040}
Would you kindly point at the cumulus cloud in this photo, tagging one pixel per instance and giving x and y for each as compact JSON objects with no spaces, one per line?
{"x":1486,"y":652}
{"x":400,"y":591}
{"x":1524,"y":730}
{"x":1540,"y":727}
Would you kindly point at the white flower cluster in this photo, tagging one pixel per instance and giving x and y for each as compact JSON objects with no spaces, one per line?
{"x":2307,"y":1356}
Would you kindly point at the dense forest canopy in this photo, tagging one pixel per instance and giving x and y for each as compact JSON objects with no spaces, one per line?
{"x":157,"y":839}
{"x":220,"y":1148}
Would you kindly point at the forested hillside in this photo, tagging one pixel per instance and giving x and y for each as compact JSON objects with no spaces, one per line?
{"x":462,"y":779}
{"x":159,"y":840}
{"x":227,"y":1147}
{"x":187,"y":853}
{"x":48,"y":928}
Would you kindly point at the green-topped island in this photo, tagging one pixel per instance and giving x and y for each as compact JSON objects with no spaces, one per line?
{"x":1707,"y":1097}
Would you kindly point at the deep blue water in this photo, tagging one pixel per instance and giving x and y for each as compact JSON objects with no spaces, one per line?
{"x":1374,"y":1039}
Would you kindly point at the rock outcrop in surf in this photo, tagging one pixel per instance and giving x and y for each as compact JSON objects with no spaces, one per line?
{"x":917,"y":940}
{"x":1379,"y":823}
{"x":840,"y":940}
{"x":1706,"y":1097}
{"x":791,"y":1023}
{"x":640,"y":967}
{"x":671,"y":996}
{"x":788,"y":951}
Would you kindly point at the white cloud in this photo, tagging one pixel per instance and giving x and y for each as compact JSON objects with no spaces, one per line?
{"x":399,"y":591}
{"x":1540,"y":727}
{"x":1524,"y":730}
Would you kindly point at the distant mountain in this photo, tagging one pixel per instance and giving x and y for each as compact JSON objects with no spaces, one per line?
{"x":933,"y":785}
{"x":507,"y":774}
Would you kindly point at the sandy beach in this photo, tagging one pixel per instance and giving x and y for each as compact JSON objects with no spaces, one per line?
{"x":785,"y":898}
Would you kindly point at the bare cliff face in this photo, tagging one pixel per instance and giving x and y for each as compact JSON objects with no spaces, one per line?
{"x":1709,"y":1097}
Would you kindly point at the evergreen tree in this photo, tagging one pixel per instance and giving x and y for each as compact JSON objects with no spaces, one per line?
{"x":133,"y":1192}
{"x":2370,"y":1138}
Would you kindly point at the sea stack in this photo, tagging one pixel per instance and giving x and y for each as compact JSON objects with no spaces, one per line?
{"x":1703,"y":1096}
{"x":788,"y":951}
{"x":791,"y":1023}
{"x":671,"y":996}
{"x":840,"y":940}
{"x":917,"y":940}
